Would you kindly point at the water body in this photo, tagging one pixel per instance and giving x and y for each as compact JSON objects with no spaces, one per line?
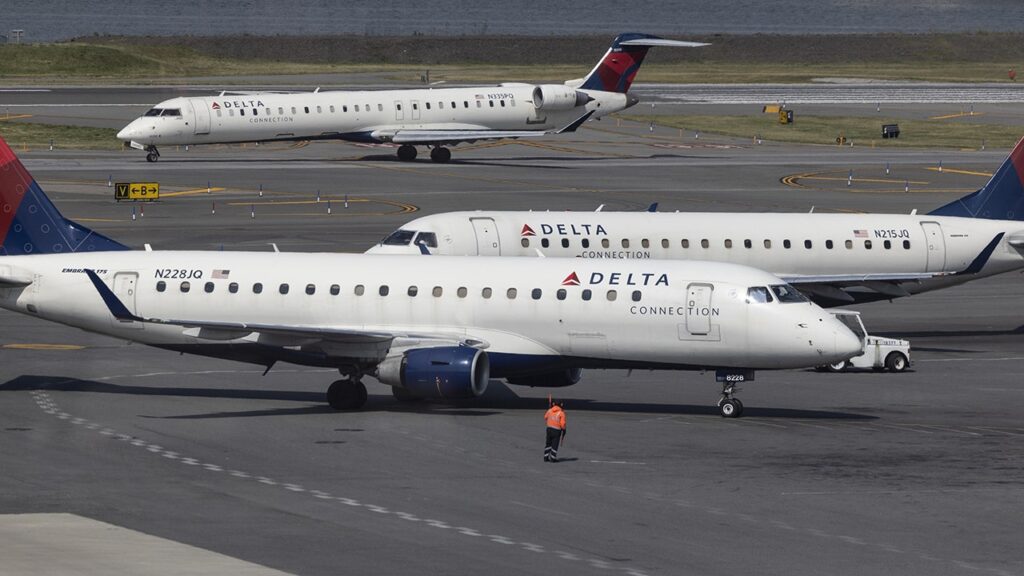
{"x":51,"y":20}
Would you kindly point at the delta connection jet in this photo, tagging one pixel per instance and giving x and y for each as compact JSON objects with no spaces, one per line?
{"x":835,"y":259}
{"x":428,"y":327}
{"x":431,"y":117}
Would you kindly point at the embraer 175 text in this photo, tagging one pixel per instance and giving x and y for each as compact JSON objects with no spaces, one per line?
{"x":428,"y":327}
{"x":835,"y":259}
{"x":433,"y":117}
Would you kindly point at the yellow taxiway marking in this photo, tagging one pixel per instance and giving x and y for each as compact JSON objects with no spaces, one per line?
{"x":957,"y":115}
{"x":955,"y":171}
{"x":192,"y":192}
{"x":42,"y":347}
{"x":337,"y":205}
{"x":16,"y":117}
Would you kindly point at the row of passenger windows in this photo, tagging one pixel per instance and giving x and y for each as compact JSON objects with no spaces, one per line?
{"x":412,"y":291}
{"x":441,"y":105}
{"x":705,"y":243}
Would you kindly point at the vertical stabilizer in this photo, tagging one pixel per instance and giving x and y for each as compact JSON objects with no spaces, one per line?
{"x":31,"y":224}
{"x":617,"y":69}
{"x":1001,"y":199}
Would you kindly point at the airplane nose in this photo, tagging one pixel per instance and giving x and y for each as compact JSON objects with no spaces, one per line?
{"x":126,"y":133}
{"x":848,"y":344}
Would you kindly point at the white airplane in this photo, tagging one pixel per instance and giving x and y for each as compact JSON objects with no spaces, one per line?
{"x":428,"y":327}
{"x":432,"y":117}
{"x":835,"y":259}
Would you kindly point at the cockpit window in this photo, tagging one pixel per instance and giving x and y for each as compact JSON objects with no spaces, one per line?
{"x":400,"y":238}
{"x":428,"y":239}
{"x":171,"y":112}
{"x":154,"y":112}
{"x":787,"y":294}
{"x":759,"y":295}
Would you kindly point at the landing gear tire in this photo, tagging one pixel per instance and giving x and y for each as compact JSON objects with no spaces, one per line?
{"x":346,"y":395}
{"x":152,"y":154}
{"x":838,"y":366}
{"x":731,"y":408}
{"x":406,"y":153}
{"x":440,"y":154}
{"x":896,"y":362}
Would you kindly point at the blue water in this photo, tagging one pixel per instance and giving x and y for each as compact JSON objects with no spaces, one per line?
{"x":49,"y":20}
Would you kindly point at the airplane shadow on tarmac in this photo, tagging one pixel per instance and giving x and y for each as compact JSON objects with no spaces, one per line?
{"x":498,"y":398}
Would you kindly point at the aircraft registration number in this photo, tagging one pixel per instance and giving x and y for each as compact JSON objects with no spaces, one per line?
{"x":178,"y":273}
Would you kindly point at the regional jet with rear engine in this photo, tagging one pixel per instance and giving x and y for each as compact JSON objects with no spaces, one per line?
{"x":433,"y":117}
{"x":835,"y":259}
{"x":429,"y":327}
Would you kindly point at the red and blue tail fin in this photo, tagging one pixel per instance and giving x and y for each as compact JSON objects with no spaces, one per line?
{"x":31,"y":224}
{"x":1001,"y":199}
{"x":615,"y":72}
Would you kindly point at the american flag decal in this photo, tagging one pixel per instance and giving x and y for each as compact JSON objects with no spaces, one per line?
{"x":860,"y":233}
{"x":220,"y":274}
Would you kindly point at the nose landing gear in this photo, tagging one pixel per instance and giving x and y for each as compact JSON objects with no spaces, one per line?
{"x":152,"y":153}
{"x":728,"y":406}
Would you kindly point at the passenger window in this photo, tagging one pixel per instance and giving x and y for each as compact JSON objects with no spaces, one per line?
{"x":310,"y":289}
{"x":625,"y":243}
{"x":428,"y":105}
{"x":664,"y":242}
{"x":536,"y":293}
{"x":412,"y":291}
{"x":335,"y":289}
{"x":233,"y":287}
{"x":560,"y":294}
{"x":231,"y":112}
{"x":748,"y":244}
{"x":398,"y":106}
{"x":345,"y":108}
{"x":728,"y":243}
{"x":636,"y":296}
{"x":887,"y":244}
{"x":465,"y":103}
{"x":486,"y":293}
{"x":293,"y":109}
{"x":453,"y":104}
{"x":219,"y":113}
{"x":185,"y":287}
{"x":415,"y":106}
{"x":585,"y":242}
{"x":511,"y":293}
{"x":208,"y":287}
{"x":437,"y":291}
{"x":612,"y":295}
{"x":525,"y":242}
{"x":867,"y":244}
{"x":241,"y":112}
{"x":565,"y":242}
{"x":161,"y":286}
{"x":359,"y":290}
{"x":253,"y":112}
{"x":319,"y":110}
{"x":257,"y":288}
{"x":306,"y":108}
{"x":544,"y":242}
{"x":645,"y":243}
{"x":605,"y":243}
{"x":462,"y":292}
{"x":767,"y":243}
{"x":786,"y":244}
{"x":491,"y":103}
{"x":807,"y":244}
{"x":828,"y":244}
{"x":332,"y":108}
{"x":758,"y":295}
{"x":283,"y":288}
{"x":685,"y":243}
{"x":704,"y":243}
{"x":380,"y":107}
{"x":849,"y":244}
{"x":502,"y":103}
{"x":906,"y":244}
{"x":280,"y":110}
{"x":267,"y":111}
{"x":586,"y":295}
{"x":383,"y":290}
{"x":357,"y":107}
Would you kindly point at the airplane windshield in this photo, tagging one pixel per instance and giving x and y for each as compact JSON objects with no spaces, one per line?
{"x":428,"y":239}
{"x":759,"y":295}
{"x":172,"y":112}
{"x":399,"y":238}
{"x":787,"y":294}
{"x":154,"y":112}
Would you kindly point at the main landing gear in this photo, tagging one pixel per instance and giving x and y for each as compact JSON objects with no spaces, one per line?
{"x":347,"y":394}
{"x":406,"y":153}
{"x":439,"y":154}
{"x":152,"y":154}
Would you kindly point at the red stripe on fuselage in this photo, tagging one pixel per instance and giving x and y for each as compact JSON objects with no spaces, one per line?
{"x":14,"y":182}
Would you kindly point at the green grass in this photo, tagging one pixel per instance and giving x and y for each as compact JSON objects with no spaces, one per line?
{"x":21,"y":135}
{"x":863,"y":131}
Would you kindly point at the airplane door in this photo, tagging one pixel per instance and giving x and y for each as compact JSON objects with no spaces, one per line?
{"x":698,"y":308}
{"x":125,"y":286}
{"x":399,"y":113}
{"x":415,"y":109}
{"x":936,"y":246}
{"x":202,"y":116}
{"x":487,"y":242}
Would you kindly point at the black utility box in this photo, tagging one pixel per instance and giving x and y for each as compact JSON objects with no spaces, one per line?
{"x":890,"y":130}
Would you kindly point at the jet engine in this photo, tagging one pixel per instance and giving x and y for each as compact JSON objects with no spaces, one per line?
{"x":558,"y":97}
{"x":438,"y":372}
{"x":556,"y":379}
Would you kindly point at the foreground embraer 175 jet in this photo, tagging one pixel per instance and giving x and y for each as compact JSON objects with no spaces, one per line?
{"x":835,"y":259}
{"x":433,"y":117}
{"x":429,"y":327}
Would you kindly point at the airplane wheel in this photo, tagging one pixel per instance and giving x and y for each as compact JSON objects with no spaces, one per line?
{"x":440,"y":154}
{"x":731,"y":408}
{"x":406,"y":153}
{"x":838,"y":366}
{"x":346,"y":395}
{"x":895,"y":362}
{"x":152,"y":157}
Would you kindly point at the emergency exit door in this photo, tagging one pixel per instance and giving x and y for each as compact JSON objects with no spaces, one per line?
{"x":698,"y":309}
{"x":125,"y":287}
{"x":936,"y":244}
{"x":202,"y":116}
{"x":487,"y":242}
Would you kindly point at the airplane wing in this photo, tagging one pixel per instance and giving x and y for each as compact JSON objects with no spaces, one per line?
{"x":846,"y":288}
{"x":413,"y":136}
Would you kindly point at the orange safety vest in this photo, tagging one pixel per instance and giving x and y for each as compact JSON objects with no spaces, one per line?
{"x":555,"y":417}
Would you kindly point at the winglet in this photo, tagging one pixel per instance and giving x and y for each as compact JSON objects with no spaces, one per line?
{"x":983,"y":256}
{"x":576,"y":123}
{"x":423,"y":249}
{"x":653,"y":207}
{"x":116,"y":307}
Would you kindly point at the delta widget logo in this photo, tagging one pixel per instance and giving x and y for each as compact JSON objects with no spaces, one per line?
{"x":571,"y":280}
{"x":527,"y":231}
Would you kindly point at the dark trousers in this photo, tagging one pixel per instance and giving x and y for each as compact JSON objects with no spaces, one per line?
{"x":554,"y":437}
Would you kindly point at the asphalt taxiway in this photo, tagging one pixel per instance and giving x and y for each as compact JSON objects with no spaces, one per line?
{"x":914,"y":473}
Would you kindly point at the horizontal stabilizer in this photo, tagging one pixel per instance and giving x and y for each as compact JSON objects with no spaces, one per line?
{"x":662,"y":42}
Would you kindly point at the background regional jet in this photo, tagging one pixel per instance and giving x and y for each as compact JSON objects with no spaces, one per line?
{"x":438,"y":327}
{"x":432,"y":117}
{"x":835,"y":259}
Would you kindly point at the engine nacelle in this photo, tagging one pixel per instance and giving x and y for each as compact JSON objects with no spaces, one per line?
{"x":556,"y":379}
{"x":558,"y":97}
{"x":438,"y":372}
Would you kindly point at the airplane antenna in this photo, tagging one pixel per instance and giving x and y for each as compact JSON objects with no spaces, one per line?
{"x":653,"y":207}
{"x":539,"y":253}
{"x":599,"y":208}
{"x":222,"y":93}
{"x":812,"y":210}
{"x":148,"y":247}
{"x":913,"y":212}
{"x":317,"y":90}
{"x":274,"y":244}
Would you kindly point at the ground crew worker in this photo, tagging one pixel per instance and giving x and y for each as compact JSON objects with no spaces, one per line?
{"x":555,"y":420}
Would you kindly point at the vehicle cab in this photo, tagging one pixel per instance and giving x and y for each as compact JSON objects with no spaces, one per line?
{"x":891,"y":354}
